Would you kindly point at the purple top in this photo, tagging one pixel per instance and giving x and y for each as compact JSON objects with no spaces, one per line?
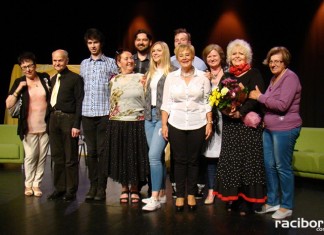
{"x":282,"y":103}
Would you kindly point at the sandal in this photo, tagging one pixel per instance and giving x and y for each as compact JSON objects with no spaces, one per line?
{"x":245,"y":208}
{"x":37,"y":192}
{"x":135,"y":197}
{"x":122,"y":198}
{"x":29,"y":191}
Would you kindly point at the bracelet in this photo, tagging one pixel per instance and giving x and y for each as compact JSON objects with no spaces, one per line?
{"x":15,"y":94}
{"x":210,"y":122}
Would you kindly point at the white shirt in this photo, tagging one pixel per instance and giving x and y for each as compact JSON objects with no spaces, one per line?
{"x":187,"y":105}
{"x":154,"y":82}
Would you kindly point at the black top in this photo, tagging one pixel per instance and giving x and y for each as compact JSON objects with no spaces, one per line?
{"x":70,"y":94}
{"x":141,"y":66}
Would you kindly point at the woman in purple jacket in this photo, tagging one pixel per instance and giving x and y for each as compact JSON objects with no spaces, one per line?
{"x":282,"y":121}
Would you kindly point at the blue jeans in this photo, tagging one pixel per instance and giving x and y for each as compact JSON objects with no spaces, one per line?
{"x":278,"y":148}
{"x":156,"y":145}
{"x":211,"y":171}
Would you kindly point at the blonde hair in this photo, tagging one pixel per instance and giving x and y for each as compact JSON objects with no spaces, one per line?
{"x":247,"y":50}
{"x":183,"y":47}
{"x":165,"y":61}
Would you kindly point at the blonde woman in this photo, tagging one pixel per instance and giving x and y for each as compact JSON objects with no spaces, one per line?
{"x":186,"y":122}
{"x":160,"y":67}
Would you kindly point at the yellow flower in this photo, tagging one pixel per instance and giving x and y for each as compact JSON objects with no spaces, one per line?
{"x":224,"y":91}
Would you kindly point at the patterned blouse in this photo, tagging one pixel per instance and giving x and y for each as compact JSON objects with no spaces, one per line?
{"x":126,"y":97}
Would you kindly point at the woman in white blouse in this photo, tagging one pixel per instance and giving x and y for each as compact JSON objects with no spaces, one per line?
{"x":186,"y":121}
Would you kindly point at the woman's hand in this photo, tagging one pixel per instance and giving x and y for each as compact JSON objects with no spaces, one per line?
{"x":165,"y":132}
{"x":254,"y":94}
{"x":209,"y":130}
{"x":143,"y":80}
{"x":208,"y":74}
{"x":22,"y":84}
{"x":235,"y":114}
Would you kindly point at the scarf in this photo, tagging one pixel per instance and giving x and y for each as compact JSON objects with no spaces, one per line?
{"x":238,"y":70}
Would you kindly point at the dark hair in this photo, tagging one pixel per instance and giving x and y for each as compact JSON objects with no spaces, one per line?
{"x":27,"y":55}
{"x":119,"y":52}
{"x":148,"y":35}
{"x":94,"y":33}
{"x":182,"y":30}
{"x":286,"y":56}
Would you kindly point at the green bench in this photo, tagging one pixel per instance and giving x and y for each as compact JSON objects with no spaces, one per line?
{"x":308,"y":158}
{"x":11,"y":147}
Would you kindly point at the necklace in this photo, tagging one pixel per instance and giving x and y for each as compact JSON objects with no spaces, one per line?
{"x":215,"y":74}
{"x":34,"y":81}
{"x":215,"y":79}
{"x":187,"y":75}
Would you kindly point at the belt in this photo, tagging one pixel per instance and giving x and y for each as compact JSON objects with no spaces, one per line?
{"x":153,"y":106}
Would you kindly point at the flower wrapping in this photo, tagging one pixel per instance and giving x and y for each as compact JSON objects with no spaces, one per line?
{"x":228,"y":95}
{"x":252,"y":119}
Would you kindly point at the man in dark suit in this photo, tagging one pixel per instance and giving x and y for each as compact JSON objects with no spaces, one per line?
{"x":66,"y":101}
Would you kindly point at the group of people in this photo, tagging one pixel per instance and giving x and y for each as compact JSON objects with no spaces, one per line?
{"x":129,"y":108}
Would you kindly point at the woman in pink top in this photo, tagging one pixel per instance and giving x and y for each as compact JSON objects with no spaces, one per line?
{"x":33,"y":87}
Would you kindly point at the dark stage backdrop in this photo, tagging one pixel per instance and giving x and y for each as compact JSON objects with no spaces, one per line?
{"x":45,"y":27}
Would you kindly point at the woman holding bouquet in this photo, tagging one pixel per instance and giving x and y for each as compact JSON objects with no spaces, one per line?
{"x":282,"y":127}
{"x":240,"y":177}
{"x":214,"y":57}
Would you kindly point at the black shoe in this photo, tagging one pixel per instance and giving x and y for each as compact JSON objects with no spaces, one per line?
{"x":200,"y":192}
{"x":100,"y":195}
{"x":192,"y":207}
{"x":55,"y":195}
{"x":92,"y":193}
{"x":69,"y":197}
{"x":179,"y":208}
{"x":174,"y":190}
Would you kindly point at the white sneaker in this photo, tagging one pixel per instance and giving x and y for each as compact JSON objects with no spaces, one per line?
{"x":163,"y":199}
{"x":281,"y":215}
{"x":147,"y":200}
{"x":152,"y":205}
{"x":267,"y":209}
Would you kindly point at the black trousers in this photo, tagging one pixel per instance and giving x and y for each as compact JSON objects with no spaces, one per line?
{"x":94,"y":130}
{"x":186,"y":149}
{"x":64,"y":152}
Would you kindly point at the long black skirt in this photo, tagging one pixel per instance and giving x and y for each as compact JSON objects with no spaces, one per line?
{"x":126,"y":152}
{"x":240,"y":170}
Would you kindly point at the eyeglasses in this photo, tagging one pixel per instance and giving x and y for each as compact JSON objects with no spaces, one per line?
{"x":30,"y":66}
{"x":275,"y":62}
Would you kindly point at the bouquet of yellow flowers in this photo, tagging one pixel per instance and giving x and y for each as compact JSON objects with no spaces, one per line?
{"x":228,"y":95}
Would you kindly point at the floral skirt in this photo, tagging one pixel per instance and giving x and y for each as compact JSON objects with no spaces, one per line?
{"x":240,"y":170}
{"x":126,"y":152}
